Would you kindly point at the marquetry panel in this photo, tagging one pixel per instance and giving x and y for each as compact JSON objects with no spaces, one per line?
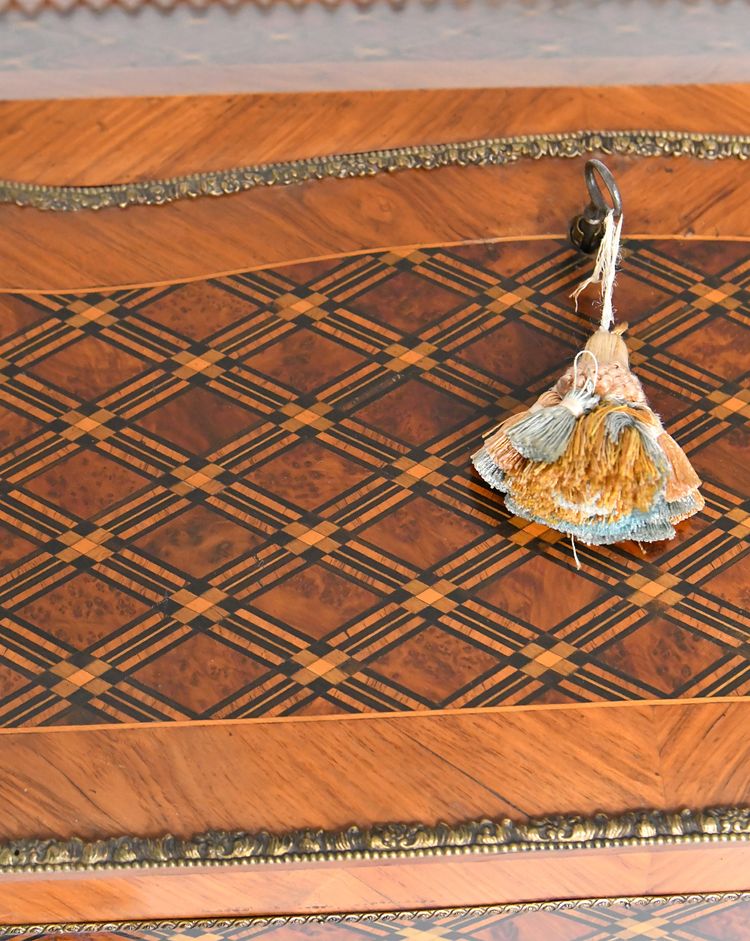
{"x":251,"y":496}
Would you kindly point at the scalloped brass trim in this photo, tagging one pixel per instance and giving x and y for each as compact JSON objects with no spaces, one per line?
{"x":277,"y":921}
{"x":486,"y":152}
{"x":393,"y":840}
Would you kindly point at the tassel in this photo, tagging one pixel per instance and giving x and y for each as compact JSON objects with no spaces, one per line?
{"x":592,"y":478}
{"x":544,"y":434}
{"x":590,"y":458}
{"x":497,"y":444}
{"x":682,"y":478}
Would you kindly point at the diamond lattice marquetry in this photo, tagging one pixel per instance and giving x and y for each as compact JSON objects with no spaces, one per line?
{"x":198,"y":420}
{"x":305,"y":360}
{"x":88,"y":367}
{"x":84,"y":484}
{"x":316,"y":601}
{"x":308,"y":475}
{"x":252,"y":495}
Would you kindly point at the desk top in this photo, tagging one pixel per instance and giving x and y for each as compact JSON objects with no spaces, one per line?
{"x":213,"y":529}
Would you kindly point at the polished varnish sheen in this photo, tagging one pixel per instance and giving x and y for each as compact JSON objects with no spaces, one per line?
{"x":248,"y":578}
{"x":251,"y":496}
{"x":103,"y":141}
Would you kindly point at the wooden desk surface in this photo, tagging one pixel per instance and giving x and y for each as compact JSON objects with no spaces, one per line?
{"x":237,"y":520}
{"x":97,"y":142}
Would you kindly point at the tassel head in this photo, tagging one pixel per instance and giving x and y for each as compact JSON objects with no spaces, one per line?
{"x":609,"y":347}
{"x":590,"y":458}
{"x":593,"y":460}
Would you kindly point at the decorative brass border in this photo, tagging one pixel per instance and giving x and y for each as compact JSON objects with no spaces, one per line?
{"x":393,"y":840}
{"x":478,"y":153}
{"x":278,"y":921}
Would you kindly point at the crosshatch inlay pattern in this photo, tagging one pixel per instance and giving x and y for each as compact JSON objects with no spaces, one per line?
{"x":251,"y":496}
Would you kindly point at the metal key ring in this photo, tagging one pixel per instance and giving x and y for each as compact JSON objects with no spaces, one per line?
{"x":587,"y":229}
{"x":599,"y":204}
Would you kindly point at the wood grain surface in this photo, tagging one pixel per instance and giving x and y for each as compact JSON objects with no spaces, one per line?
{"x":449,"y":767}
{"x":336,"y":771}
{"x":515,"y":762}
{"x":98,"y":141}
{"x":102,"y":141}
{"x":358,"y":887}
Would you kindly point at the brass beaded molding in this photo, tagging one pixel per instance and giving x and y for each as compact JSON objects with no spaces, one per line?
{"x":277,"y":921}
{"x":393,"y":840}
{"x":495,"y":151}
